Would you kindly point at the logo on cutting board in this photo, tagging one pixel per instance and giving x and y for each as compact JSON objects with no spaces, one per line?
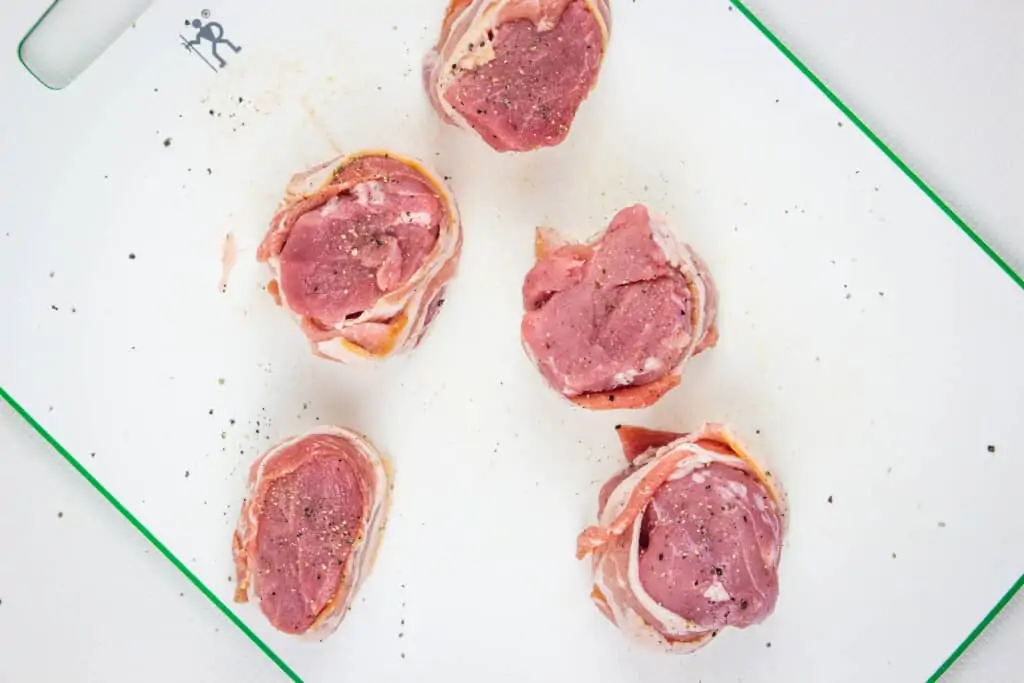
{"x":211,"y":33}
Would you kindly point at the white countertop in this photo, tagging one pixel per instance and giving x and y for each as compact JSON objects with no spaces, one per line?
{"x":942,"y":85}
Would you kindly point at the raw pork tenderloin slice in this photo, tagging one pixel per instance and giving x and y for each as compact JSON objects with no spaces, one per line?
{"x":610,"y":323}
{"x":516,"y":71}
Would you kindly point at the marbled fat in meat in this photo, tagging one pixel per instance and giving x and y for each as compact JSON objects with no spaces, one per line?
{"x":706,"y":547}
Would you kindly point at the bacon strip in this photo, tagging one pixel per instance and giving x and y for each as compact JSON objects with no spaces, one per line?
{"x":596,"y":537}
{"x":638,"y":440}
{"x":640,"y":396}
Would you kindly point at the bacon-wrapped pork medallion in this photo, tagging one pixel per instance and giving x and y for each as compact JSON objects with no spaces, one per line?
{"x":611,"y":322}
{"x":516,"y":71}
{"x":310,"y":527}
{"x":688,"y":539}
{"x":361,"y":249}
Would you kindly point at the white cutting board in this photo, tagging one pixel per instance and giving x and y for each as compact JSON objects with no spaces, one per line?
{"x":867,"y":352}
